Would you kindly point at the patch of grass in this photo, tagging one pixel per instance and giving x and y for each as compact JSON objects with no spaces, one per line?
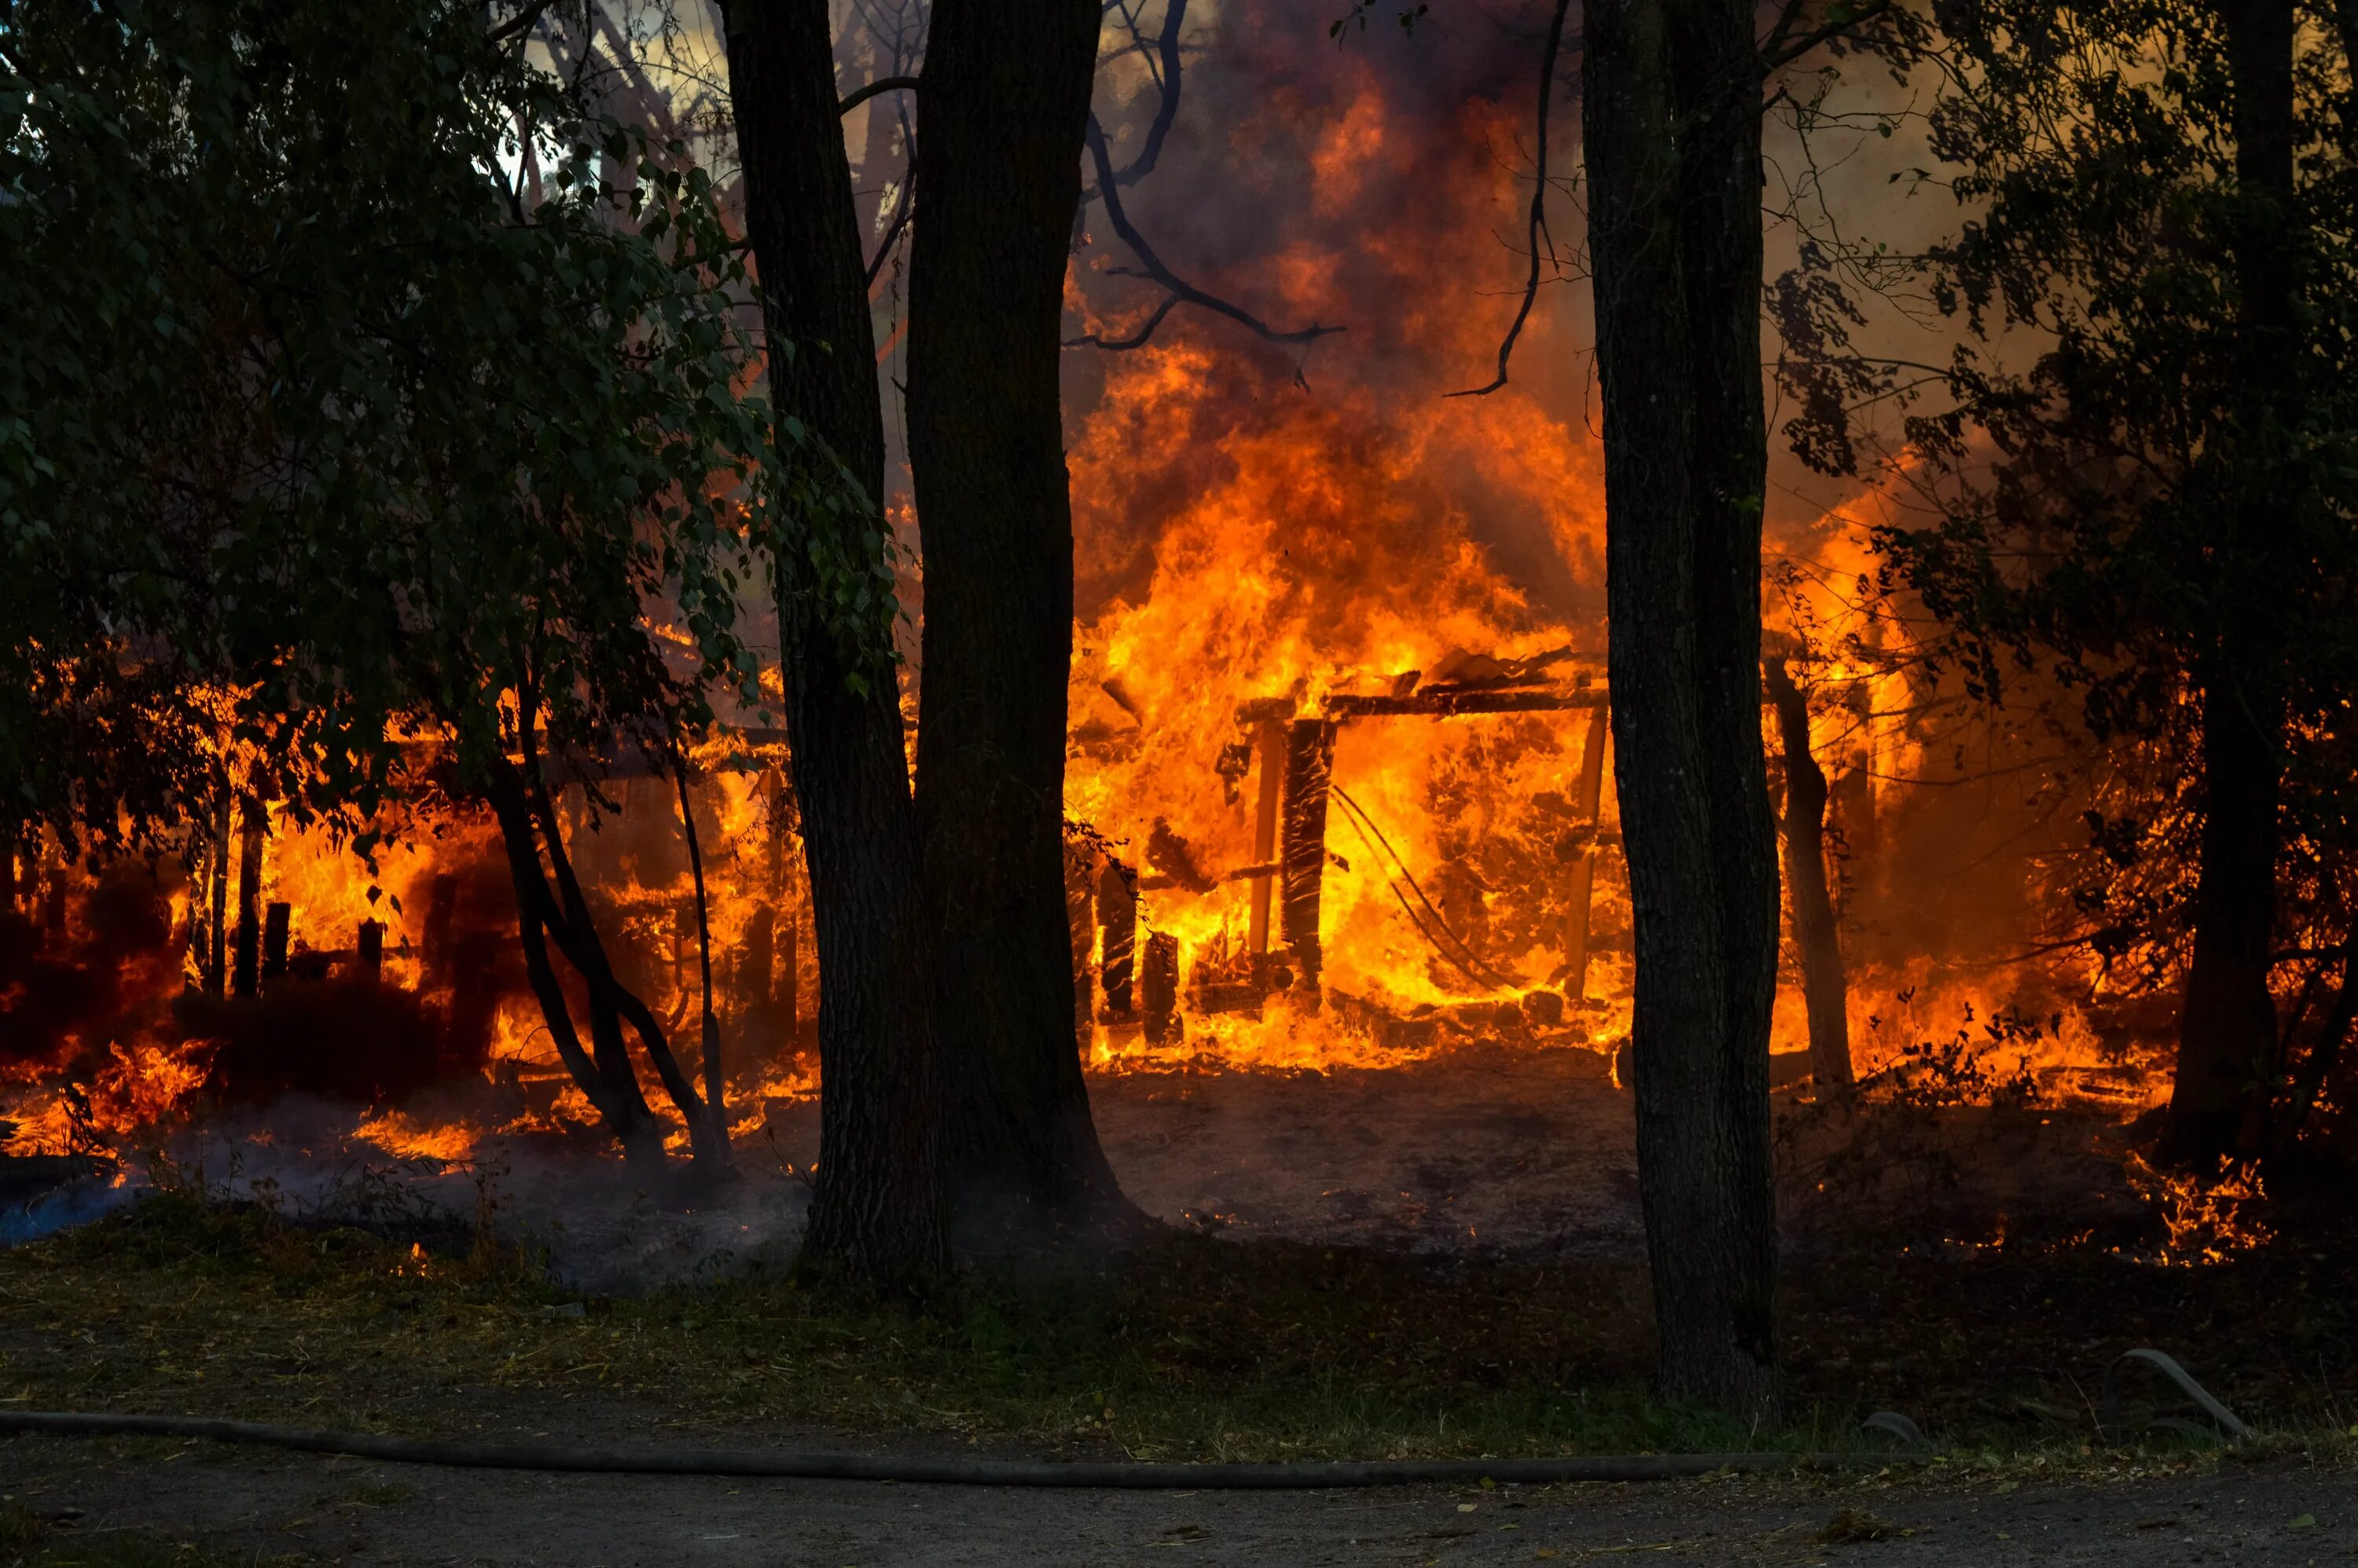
{"x":1189,"y":1348}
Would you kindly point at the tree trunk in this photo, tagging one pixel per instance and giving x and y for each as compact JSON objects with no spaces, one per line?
{"x":1671,"y":126}
{"x":2227,"y":1026}
{"x":1006,"y":96}
{"x":1825,"y":989}
{"x":879,"y":1214}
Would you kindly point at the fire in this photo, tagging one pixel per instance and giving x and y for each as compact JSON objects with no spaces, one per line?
{"x":1263,"y":535}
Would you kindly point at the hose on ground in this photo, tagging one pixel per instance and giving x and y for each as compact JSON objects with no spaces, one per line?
{"x":765,"y":1462}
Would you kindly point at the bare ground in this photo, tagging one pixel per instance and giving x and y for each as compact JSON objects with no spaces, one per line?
{"x":276,"y":1506}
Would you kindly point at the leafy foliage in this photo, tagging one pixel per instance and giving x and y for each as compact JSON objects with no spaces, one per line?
{"x":360,"y":387}
{"x":377,"y":429}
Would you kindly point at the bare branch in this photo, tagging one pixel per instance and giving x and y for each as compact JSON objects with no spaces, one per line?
{"x":860,"y":95}
{"x":1182,"y":292}
{"x":1136,"y":339}
{"x":518,"y":24}
{"x":1782,"y":46}
{"x":1167,"y":110}
{"x":1539,"y":230}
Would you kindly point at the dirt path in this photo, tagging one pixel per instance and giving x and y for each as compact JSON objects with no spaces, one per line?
{"x":341,"y":1511}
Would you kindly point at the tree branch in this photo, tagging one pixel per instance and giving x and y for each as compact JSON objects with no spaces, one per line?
{"x":1538,"y":229}
{"x":518,"y":24}
{"x":860,"y":95}
{"x":1167,"y":110}
{"x":1182,"y":292}
{"x":1781,"y":48}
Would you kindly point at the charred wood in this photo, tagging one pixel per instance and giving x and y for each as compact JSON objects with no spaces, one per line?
{"x":1158,"y":985}
{"x":1117,"y":938}
{"x":253,"y":828}
{"x":277,"y":930}
{"x":1309,"y":768}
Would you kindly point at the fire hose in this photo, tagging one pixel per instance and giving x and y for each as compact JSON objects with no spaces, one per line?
{"x":1133,"y":1474}
{"x":771,"y":1464}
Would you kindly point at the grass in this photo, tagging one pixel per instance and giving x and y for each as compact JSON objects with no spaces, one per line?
{"x":30,"y":1541}
{"x":1190,"y":1349}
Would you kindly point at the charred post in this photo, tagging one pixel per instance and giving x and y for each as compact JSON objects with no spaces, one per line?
{"x":1158,"y":985}
{"x":1580,"y":884}
{"x":1080,"y":900}
{"x":1301,"y":852}
{"x":1117,"y":938}
{"x":277,"y":930}
{"x":254,"y":826}
{"x":370,"y":946}
{"x":1269,"y":744}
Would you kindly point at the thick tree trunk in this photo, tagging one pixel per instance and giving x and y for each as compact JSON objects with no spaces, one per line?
{"x":879,"y":1213}
{"x":1672,"y":123}
{"x":2228,"y":1027}
{"x":1825,"y":988}
{"x":1006,"y":96}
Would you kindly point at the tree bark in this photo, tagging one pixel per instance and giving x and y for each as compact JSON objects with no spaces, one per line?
{"x":2227,"y":1039}
{"x":1006,"y":96}
{"x":2227,"y":1024}
{"x":1671,"y":126}
{"x":1825,"y":988}
{"x":879,"y":1213}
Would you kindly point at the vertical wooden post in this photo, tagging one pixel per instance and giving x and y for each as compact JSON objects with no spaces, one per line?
{"x":1269,"y":744}
{"x":371,"y":947}
{"x":1302,"y":848}
{"x":277,"y":926}
{"x":1580,"y":886}
{"x":1158,"y":985}
{"x":1080,"y":899}
{"x":1117,"y":938}
{"x":253,"y":828}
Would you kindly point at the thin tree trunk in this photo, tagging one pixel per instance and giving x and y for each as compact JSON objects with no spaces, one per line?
{"x":715,"y":1086}
{"x":622,"y":1107}
{"x":1671,"y":126}
{"x":879,"y":1213}
{"x":1005,"y":100}
{"x":2227,"y":1040}
{"x":1825,"y":988}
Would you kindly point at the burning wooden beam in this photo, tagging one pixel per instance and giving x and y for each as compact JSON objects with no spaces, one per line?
{"x":1448,"y":703}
